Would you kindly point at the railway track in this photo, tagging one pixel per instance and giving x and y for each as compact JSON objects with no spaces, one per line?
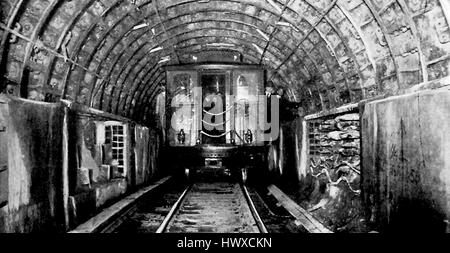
{"x":171,"y":206}
{"x":214,"y":208}
{"x":218,"y":207}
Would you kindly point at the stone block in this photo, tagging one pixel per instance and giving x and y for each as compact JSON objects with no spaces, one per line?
{"x":104,"y":174}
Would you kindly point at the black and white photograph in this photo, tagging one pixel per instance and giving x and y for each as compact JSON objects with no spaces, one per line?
{"x":224,"y":123}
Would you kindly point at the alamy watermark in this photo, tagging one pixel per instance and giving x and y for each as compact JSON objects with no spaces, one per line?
{"x":212,"y":113}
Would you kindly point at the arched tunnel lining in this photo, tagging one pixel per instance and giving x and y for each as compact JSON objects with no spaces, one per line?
{"x":326,"y":54}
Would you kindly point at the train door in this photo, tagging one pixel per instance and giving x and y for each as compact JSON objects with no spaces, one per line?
{"x":213,"y":97}
{"x":248,"y":86}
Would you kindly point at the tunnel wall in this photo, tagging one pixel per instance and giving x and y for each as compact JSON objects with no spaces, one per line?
{"x":147,"y":147}
{"x":332,"y":185}
{"x":394,"y":185}
{"x":91,"y":185}
{"x":34,"y":141}
{"x":88,"y":51}
{"x":32,"y":181}
{"x":93,"y":182}
{"x":406,"y":162}
{"x":316,"y":161}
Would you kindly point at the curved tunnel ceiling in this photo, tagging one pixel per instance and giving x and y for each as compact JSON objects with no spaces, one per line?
{"x":326,"y":53}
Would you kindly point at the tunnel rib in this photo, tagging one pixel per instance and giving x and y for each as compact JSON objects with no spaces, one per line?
{"x":326,"y":39}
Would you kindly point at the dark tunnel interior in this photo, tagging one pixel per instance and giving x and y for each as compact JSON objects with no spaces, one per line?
{"x":363,"y":89}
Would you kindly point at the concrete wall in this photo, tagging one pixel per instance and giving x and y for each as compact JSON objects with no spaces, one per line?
{"x":33,"y":196}
{"x":93,"y":184}
{"x":146,"y":150}
{"x":406,"y":162}
{"x":142,"y":156}
{"x":34,"y":144}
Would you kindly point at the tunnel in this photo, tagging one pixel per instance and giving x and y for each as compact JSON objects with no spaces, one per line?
{"x":362,"y":88}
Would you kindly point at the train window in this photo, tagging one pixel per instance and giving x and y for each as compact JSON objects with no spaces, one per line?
{"x":214,"y":104}
{"x":182,"y":108}
{"x":242,"y":81}
{"x":247,"y":86}
{"x":214,"y":118}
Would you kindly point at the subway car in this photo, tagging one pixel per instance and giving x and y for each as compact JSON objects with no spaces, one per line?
{"x":215,"y":120}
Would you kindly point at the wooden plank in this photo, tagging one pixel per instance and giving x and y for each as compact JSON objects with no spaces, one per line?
{"x":311,"y":224}
{"x":65,"y":168}
{"x":109,"y":214}
{"x":94,"y":112}
{"x":344,"y":109}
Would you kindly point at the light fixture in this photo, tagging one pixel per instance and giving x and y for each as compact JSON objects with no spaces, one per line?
{"x":164,"y":59}
{"x":258,"y":48}
{"x":280,"y":23}
{"x":140,"y":26}
{"x":286,"y":24}
{"x":274,"y":5}
{"x":156,"y":49}
{"x":220,"y":45}
{"x":263,"y":34}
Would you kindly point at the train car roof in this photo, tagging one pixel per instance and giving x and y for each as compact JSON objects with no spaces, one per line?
{"x":214,"y":66}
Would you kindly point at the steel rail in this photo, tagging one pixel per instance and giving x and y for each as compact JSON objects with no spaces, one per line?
{"x":262,"y":228}
{"x":173,"y":211}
